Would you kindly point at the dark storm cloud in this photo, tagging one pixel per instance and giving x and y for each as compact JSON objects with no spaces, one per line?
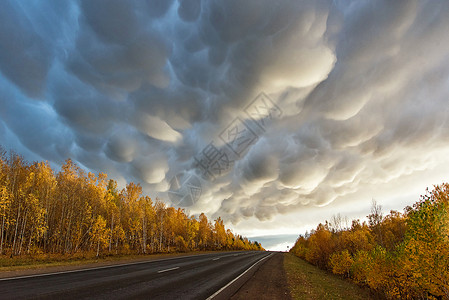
{"x":25,"y":58}
{"x":138,"y":88}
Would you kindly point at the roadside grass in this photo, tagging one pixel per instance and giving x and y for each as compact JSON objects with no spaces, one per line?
{"x":42,"y":261}
{"x":309,"y":282}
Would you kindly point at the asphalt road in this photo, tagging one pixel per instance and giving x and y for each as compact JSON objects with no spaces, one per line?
{"x":191,"y":277}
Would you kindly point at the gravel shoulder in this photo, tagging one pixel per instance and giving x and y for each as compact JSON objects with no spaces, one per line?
{"x":268,"y":282}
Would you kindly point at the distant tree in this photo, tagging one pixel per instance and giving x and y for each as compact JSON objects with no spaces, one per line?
{"x":219,"y":233}
{"x":338,"y":223}
{"x":375,"y":221}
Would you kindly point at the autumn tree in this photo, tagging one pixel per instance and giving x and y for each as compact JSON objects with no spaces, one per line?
{"x":341,"y":262}
{"x":73,"y":211}
{"x":100,"y":234}
{"x":204,"y":232}
{"x":399,"y":256}
{"x":320,"y":246}
{"x":357,"y":238}
{"x":424,"y":262}
{"x":375,"y":221}
{"x":219,"y":233}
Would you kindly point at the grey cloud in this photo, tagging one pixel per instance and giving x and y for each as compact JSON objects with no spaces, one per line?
{"x":137,"y":89}
{"x":35,"y":125}
{"x":122,"y":145}
{"x":189,"y":10}
{"x":89,"y":142}
{"x":112,"y":21}
{"x":157,"y":128}
{"x":356,"y":108}
{"x":151,"y":168}
{"x":86,"y":112}
{"x":120,"y":69}
{"x":25,"y":57}
{"x":158,"y":8}
{"x":260,"y":167}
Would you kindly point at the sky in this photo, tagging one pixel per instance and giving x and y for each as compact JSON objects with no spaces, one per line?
{"x":274,"y":115}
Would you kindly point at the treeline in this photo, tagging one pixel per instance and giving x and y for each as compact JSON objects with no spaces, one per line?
{"x":400,"y":255}
{"x":73,"y":211}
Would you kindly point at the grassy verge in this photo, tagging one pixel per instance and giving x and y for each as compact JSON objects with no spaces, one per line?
{"x":27,"y":262}
{"x":309,"y":282}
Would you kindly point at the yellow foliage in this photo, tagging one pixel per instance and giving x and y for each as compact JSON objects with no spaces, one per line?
{"x":341,"y":263}
{"x":73,"y":211}
{"x":320,"y":246}
{"x":407,"y":259}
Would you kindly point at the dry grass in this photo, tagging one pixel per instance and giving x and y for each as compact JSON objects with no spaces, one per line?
{"x":309,"y":282}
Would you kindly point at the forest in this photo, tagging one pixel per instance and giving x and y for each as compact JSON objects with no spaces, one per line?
{"x":399,"y":255}
{"x":73,"y":211}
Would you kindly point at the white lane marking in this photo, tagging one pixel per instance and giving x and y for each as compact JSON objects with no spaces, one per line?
{"x":166,"y":270}
{"x":227,"y":256}
{"x":98,"y":268}
{"x":235,"y":279}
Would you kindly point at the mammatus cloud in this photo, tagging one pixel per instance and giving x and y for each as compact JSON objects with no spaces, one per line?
{"x":138,"y":89}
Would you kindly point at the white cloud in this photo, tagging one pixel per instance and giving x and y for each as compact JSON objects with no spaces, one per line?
{"x":158,"y":129}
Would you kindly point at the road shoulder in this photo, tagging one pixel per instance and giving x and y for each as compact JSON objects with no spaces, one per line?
{"x":268,"y":282}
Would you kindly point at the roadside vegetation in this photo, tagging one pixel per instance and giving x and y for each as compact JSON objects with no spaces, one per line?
{"x":309,"y":282}
{"x":54,"y":215}
{"x":399,"y":256}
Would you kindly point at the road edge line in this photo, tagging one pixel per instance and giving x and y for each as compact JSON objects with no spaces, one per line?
{"x":237,"y":278}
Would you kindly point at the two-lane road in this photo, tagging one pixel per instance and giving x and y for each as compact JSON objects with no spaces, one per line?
{"x":189,"y":277}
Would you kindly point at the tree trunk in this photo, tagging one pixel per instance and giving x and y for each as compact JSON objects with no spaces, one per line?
{"x":47,"y":221}
{"x":160,"y":236}
{"x":144,"y":236}
{"x":29,"y":242}
{"x":3,"y":229}
{"x":112,"y":232}
{"x":24,"y":224}
{"x":15,"y":233}
{"x":98,"y":248}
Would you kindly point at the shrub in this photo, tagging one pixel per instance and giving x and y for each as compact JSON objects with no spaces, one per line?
{"x":341,"y":263}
